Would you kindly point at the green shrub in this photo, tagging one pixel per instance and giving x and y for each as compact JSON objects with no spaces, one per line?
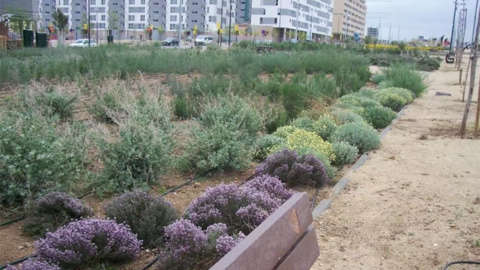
{"x":304,"y":123}
{"x":343,"y":116}
{"x":137,"y":159}
{"x":360,"y":135}
{"x":105,"y":106}
{"x":377,"y":79}
{"x":378,"y":116}
{"x":55,"y":103}
{"x":324,"y":126}
{"x":404,"y":76}
{"x":266,"y":144}
{"x":284,"y":132}
{"x":302,"y":138}
{"x":147,"y":216}
{"x":344,"y":153}
{"x":223,"y":138}
{"x":391,"y":100}
{"x":276,"y":120}
{"x":37,"y":158}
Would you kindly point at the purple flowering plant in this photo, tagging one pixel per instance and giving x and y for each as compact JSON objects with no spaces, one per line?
{"x":53,"y":211}
{"x":292,"y":169}
{"x":88,"y":242}
{"x":34,"y":264}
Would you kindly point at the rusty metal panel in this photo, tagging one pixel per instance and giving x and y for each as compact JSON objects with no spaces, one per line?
{"x":263,"y":248}
{"x":303,"y":254}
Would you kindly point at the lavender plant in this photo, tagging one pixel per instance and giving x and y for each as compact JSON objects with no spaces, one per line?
{"x":241,"y":209}
{"x":88,"y":242}
{"x":53,"y":211}
{"x":144,"y":214}
{"x":34,"y":264}
{"x":295,"y":170}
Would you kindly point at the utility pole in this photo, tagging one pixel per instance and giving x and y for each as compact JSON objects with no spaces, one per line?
{"x":296,"y":28}
{"x":89,"y":30}
{"x":230,"y":24}
{"x":453,"y":25}
{"x":180,"y":24}
{"x":221,"y":24}
{"x":463,"y":127}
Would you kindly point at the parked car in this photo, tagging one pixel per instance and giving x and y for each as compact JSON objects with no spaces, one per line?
{"x":170,"y":42}
{"x":203,"y":40}
{"x":83,"y":43}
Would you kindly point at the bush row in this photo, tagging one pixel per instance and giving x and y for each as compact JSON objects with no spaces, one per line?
{"x":213,"y":224}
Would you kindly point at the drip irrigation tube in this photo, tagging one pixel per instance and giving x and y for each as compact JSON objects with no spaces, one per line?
{"x":460,"y":262}
{"x":177,"y":187}
{"x":12,"y":221}
{"x":18,"y":261}
{"x":151,"y":263}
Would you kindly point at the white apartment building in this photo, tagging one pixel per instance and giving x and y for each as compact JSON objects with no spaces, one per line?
{"x":294,"y":18}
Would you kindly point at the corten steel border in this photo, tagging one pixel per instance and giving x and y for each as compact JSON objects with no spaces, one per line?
{"x":325,"y":204}
{"x":285,"y":238}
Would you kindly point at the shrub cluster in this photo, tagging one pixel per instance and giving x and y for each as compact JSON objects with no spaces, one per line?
{"x":265,"y":145}
{"x":394,"y":98}
{"x":362,"y":136}
{"x":88,"y":242}
{"x":55,"y":103}
{"x":189,"y":247}
{"x":36,"y":157}
{"x":403,"y":76}
{"x":240,"y":208}
{"x":53,"y":211}
{"x":295,"y":170}
{"x":223,"y":138}
{"x":304,"y":139}
{"x":344,"y":153}
{"x":144,"y":214}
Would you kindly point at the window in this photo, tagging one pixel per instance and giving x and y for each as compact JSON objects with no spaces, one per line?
{"x":173,"y":18}
{"x":93,"y":17}
{"x":173,"y":2}
{"x":103,"y":17}
{"x":65,"y":2}
{"x":131,"y":17}
{"x":142,"y":18}
{"x":131,"y":2}
{"x":103,"y":2}
{"x":143,"y":2}
{"x":130,"y":26}
{"x":93,"y":2}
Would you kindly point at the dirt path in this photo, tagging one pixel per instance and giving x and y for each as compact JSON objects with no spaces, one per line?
{"x":415,"y":204}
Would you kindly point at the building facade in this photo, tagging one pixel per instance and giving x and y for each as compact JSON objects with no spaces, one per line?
{"x":311,"y":19}
{"x":372,"y":32}
{"x":129,"y":19}
{"x":349,"y":18}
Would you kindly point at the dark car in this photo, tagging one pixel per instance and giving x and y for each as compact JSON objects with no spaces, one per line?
{"x":170,"y":42}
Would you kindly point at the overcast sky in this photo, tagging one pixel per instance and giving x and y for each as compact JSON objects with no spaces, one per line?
{"x":414,"y":18}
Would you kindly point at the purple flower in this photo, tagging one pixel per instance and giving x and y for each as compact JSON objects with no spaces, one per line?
{"x":35,"y":264}
{"x":294,"y":170}
{"x":81,"y":242}
{"x":226,"y":243}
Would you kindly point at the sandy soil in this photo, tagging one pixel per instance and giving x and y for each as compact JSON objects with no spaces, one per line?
{"x":415,"y":204}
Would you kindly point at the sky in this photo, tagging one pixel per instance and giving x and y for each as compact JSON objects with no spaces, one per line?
{"x":410,"y":19}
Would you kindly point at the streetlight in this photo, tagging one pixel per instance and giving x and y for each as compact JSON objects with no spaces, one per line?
{"x":88,"y":27}
{"x":296,"y":28}
{"x":180,"y":24}
{"x":230,"y":23}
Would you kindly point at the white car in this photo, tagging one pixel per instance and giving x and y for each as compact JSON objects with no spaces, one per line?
{"x":83,"y":43}
{"x":204,"y":40}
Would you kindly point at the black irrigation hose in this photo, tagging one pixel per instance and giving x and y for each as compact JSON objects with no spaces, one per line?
{"x":246,"y":180}
{"x":151,"y":263}
{"x":460,"y":262}
{"x":177,"y":187}
{"x":12,"y":221}
{"x":18,"y":261}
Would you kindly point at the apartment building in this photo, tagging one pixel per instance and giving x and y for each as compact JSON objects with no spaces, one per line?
{"x":129,"y":19}
{"x":292,"y":19}
{"x":350,"y":17}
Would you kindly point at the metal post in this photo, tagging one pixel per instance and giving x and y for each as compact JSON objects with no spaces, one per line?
{"x":88,"y":27}
{"x":180,"y":24}
{"x":296,"y":28}
{"x":96,"y":26}
{"x":453,"y":25}
{"x":221,"y":25}
{"x":230,"y":24}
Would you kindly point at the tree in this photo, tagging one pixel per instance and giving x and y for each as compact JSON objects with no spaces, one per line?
{"x":113,"y":21}
{"x":160,"y":32}
{"x":60,"y":21}
{"x":302,"y":36}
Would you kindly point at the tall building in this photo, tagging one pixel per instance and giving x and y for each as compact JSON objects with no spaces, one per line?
{"x":129,"y":19}
{"x":292,"y":19}
{"x":29,"y":7}
{"x":372,"y":32}
{"x":349,"y":18}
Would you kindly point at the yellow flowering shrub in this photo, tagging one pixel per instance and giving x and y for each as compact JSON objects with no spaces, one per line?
{"x":284,"y":132}
{"x":302,"y":138}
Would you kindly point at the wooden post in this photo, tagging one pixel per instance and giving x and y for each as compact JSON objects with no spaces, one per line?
{"x":463,"y":127}
{"x":460,"y":77}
